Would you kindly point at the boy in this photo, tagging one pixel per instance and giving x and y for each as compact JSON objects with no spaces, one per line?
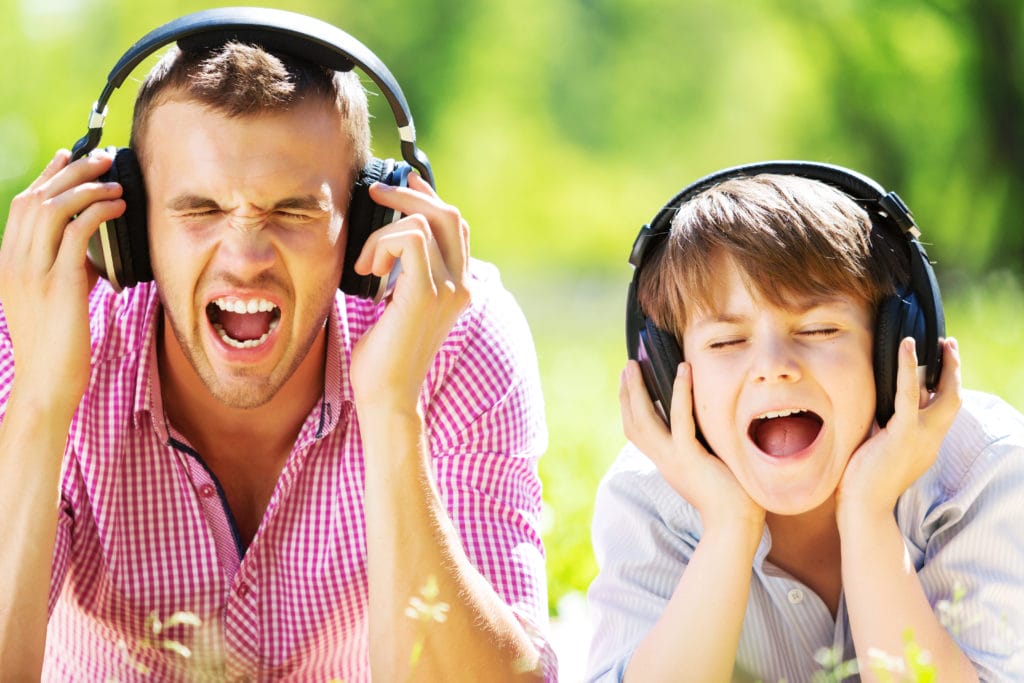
{"x":776,"y":518}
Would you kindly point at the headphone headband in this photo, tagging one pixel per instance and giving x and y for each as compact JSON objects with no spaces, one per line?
{"x":865,"y":191}
{"x":278,"y":30}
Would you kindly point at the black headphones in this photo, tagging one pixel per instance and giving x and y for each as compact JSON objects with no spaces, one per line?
{"x":915,"y":311}
{"x":120,"y":248}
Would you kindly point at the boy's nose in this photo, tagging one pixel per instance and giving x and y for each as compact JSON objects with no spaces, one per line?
{"x":775,"y":362}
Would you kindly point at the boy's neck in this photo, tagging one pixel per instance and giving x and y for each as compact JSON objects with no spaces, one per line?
{"x":806,"y":546}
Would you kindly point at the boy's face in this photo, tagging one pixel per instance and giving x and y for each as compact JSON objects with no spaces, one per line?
{"x":782,"y":395}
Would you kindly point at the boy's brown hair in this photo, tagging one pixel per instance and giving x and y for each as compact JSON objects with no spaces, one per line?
{"x":238,"y":79}
{"x":794,"y":239}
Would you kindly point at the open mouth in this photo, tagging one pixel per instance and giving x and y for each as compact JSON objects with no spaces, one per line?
{"x":785,"y":432}
{"x":243,"y":323}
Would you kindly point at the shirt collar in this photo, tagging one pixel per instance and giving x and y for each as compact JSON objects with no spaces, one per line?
{"x":335,"y":403}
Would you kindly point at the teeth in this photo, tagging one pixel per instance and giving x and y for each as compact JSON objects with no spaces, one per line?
{"x":247,"y":344}
{"x":251,"y":306}
{"x":239,"y":306}
{"x":780,"y":413}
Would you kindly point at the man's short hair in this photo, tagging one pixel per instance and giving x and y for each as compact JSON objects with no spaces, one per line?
{"x":240,"y":80}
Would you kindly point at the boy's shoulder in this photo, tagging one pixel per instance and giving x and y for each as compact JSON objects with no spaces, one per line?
{"x":987,"y":435}
{"x":984,"y":447}
{"x":633,"y":486}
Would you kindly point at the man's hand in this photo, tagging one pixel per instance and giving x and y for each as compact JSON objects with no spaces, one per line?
{"x":45,"y":277}
{"x":695,"y":474}
{"x":44,"y":287}
{"x":391,"y":361}
{"x":894,"y":457}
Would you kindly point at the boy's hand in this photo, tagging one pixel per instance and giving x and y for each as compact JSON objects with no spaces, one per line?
{"x":45,"y":277}
{"x":894,"y":457}
{"x":695,"y":474}
{"x":391,"y":360}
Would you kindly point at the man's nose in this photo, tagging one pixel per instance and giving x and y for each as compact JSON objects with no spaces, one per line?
{"x":246,"y":247}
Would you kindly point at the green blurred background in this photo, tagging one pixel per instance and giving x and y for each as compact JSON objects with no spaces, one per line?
{"x":560,"y":126}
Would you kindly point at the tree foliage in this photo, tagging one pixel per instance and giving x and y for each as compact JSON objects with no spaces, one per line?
{"x":567,"y":123}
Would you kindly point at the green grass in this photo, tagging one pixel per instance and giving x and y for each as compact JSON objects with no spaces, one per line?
{"x":578,"y":329}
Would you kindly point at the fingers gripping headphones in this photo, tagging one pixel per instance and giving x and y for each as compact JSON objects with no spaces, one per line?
{"x":914,"y":311}
{"x":120,"y":248}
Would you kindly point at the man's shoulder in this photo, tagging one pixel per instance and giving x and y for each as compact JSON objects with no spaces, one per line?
{"x":493,"y":315}
{"x":120,"y":323}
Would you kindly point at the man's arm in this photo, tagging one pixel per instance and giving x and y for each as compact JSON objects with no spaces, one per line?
{"x":413,"y":547}
{"x":44,"y":287}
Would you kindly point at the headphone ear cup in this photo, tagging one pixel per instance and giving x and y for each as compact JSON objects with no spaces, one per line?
{"x":663,"y":357}
{"x":899,"y":316}
{"x":364,"y":217}
{"x":120,"y":248}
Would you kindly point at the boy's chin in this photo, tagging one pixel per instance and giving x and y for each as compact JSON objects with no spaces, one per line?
{"x":790,"y":505}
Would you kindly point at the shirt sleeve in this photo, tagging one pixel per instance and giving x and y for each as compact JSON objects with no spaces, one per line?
{"x":61,"y":548}
{"x":968,"y":541}
{"x":485,"y":415}
{"x":644,"y":535}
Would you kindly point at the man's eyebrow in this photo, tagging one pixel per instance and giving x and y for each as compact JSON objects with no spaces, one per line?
{"x":307,"y":202}
{"x":191,"y":202}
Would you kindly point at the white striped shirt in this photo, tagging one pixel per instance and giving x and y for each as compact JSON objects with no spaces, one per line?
{"x":963,"y":521}
{"x":144,"y":530}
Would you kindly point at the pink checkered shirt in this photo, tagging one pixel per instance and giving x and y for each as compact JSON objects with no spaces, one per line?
{"x":144,"y":533}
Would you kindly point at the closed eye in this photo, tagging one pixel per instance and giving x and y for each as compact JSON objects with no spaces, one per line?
{"x":820,"y":332}
{"x":295,"y":216}
{"x":725,"y":343}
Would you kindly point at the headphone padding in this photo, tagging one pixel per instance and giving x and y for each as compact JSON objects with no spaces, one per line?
{"x":133,"y":235}
{"x":364,"y":216}
{"x":886,"y":357}
{"x":127,"y":233}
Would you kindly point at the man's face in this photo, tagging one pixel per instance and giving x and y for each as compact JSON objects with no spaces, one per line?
{"x":783,"y":395}
{"x":245,"y":230}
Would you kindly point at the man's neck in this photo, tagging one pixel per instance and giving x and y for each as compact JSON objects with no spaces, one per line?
{"x":222,"y":432}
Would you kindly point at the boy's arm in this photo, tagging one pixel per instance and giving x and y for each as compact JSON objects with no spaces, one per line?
{"x":411,"y":541}
{"x":696,"y":636}
{"x":44,"y":286}
{"x":885,"y":599}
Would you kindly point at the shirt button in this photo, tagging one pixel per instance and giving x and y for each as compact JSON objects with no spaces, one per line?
{"x":796,"y":596}
{"x":207,"y":491}
{"x":242,"y":590}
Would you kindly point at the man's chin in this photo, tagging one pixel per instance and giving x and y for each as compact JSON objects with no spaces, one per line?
{"x":242,"y":395}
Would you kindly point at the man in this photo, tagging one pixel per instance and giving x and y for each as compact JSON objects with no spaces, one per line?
{"x":236,"y":471}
